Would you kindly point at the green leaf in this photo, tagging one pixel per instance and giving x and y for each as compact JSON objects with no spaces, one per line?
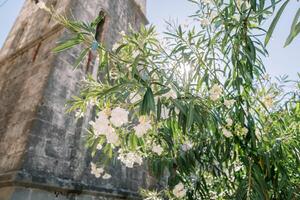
{"x":190,"y":116}
{"x":67,"y":44}
{"x":133,"y":141}
{"x":158,"y":112}
{"x":148,"y":103}
{"x":80,"y":58}
{"x":97,"y":20}
{"x":274,"y":22}
{"x":253,"y":4}
{"x":294,"y":29}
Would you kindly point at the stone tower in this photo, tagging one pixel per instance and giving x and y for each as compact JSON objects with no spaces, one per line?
{"x":42,"y":153}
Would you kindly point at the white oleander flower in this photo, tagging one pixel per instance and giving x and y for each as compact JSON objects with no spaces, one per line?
{"x":135,"y":53}
{"x":186,"y":146}
{"x":204,"y":22}
{"x":112,"y":137}
{"x":106,"y":176}
{"x":99,"y":147}
{"x":102,"y":116}
{"x":226,"y":133}
{"x":78,"y":114}
{"x":268,"y":101}
{"x":138,"y":159}
{"x":238,"y":167}
{"x":130,"y":158}
{"x":99,"y":128}
{"x":97,"y":172}
{"x":119,"y":116}
{"x":101,"y":125}
{"x":143,"y":127}
{"x":122,"y":33}
{"x":156,"y":148}
{"x":229,"y":103}
{"x":215,"y":92}
{"x":179,"y":191}
{"x":92,"y":102}
{"x":258,"y":133}
{"x":244,"y":131}
{"x":229,"y":122}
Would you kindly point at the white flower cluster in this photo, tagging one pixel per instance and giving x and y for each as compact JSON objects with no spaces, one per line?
{"x":259,"y":133}
{"x":179,"y":191}
{"x":122,"y":33}
{"x":244,"y":131}
{"x":268,"y":101}
{"x":143,"y":127}
{"x":229,"y":103}
{"x":156,"y":148}
{"x":130,"y":158}
{"x":204,"y":22}
{"x":119,"y":116}
{"x":215,"y":92}
{"x":79,"y":114}
{"x":99,"y":147}
{"x":226,"y":133}
{"x":102,"y":124}
{"x":229,"y":122}
{"x":187,"y":145}
{"x":99,"y":172}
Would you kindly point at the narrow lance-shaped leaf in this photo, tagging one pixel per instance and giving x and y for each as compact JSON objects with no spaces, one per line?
{"x":274,"y":22}
{"x":294,"y":29}
{"x":81,"y":57}
{"x":67,"y":44}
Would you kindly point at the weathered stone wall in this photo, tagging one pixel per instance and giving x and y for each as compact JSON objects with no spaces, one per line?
{"x":41,"y":147}
{"x":23,"y":79}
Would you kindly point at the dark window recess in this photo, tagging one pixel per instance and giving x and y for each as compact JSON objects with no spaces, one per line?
{"x":100,"y":27}
{"x":100,"y":37}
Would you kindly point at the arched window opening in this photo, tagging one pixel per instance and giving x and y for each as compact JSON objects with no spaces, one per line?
{"x":100,"y":37}
{"x":100,"y":29}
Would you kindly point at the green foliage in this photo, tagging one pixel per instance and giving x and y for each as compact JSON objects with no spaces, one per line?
{"x":274,"y":22}
{"x":227,"y":132}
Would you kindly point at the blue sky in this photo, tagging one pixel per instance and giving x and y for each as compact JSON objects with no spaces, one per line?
{"x":280,"y":61}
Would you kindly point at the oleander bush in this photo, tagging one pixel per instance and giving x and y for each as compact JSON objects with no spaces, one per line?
{"x":196,"y":105}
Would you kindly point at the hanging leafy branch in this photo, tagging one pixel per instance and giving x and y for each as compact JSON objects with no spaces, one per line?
{"x":196,"y":104}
